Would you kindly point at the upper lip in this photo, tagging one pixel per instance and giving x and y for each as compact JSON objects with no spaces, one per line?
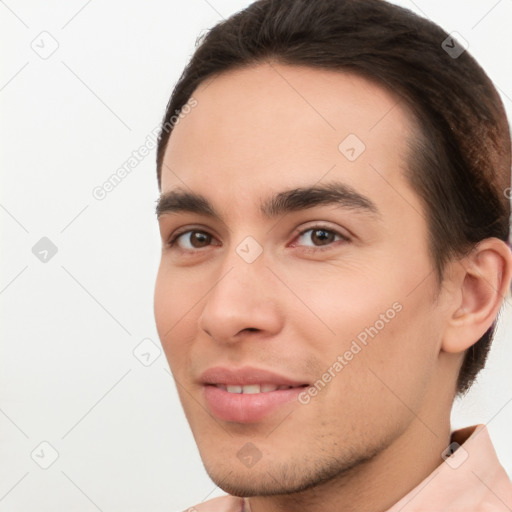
{"x":245,"y":375}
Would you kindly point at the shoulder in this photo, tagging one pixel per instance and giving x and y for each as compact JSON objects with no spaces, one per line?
{"x":221,"y":504}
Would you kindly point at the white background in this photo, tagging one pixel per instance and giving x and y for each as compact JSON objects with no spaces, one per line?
{"x":69,"y":326}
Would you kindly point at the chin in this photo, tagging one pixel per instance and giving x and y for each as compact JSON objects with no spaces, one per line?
{"x":280,"y":479}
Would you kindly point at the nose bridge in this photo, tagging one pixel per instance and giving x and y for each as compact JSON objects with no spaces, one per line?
{"x":241,"y":296}
{"x":242,"y":275}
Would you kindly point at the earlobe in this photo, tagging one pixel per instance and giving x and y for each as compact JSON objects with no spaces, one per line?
{"x":484,"y":282}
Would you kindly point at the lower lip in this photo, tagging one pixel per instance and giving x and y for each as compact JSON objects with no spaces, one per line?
{"x":247,"y":408}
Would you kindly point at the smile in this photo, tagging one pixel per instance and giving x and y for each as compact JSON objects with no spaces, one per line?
{"x":252,"y":389}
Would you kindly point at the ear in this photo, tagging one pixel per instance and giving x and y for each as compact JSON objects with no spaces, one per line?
{"x":482,"y":282}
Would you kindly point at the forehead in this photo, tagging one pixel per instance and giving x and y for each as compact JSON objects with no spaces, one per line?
{"x":273,"y":126}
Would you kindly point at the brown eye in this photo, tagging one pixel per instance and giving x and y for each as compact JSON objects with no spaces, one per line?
{"x":319,"y":236}
{"x":199,"y":239}
{"x":194,"y":239}
{"x":322,"y":235}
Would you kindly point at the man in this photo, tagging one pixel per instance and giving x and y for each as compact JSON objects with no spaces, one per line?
{"x":334,"y":223}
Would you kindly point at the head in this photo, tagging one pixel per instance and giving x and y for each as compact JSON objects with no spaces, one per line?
{"x":337,"y":203}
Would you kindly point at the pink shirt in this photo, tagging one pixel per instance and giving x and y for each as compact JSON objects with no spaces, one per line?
{"x":470,"y":480}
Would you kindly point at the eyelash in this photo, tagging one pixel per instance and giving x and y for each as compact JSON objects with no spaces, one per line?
{"x":173,"y":241}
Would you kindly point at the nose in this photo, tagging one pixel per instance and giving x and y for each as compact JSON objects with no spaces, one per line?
{"x":242,"y":299}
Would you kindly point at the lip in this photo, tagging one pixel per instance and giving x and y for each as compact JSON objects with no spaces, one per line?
{"x":245,"y":375}
{"x":246,"y":408}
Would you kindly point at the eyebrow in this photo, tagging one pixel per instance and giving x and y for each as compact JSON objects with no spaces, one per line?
{"x":291,"y":200}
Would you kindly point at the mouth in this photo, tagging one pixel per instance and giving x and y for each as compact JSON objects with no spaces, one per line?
{"x":252,"y":389}
{"x":248,"y":394}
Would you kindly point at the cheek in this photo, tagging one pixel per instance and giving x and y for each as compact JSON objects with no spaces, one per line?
{"x":381,"y":330}
{"x":173,"y":309}
{"x":164,"y":305}
{"x":341,"y":302}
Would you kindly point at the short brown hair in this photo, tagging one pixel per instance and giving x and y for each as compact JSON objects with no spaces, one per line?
{"x":459,"y":166}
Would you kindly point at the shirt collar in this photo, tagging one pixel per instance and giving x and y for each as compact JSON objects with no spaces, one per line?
{"x":470,"y":479}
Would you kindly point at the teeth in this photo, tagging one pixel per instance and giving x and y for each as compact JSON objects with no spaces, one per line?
{"x":252,"y":388}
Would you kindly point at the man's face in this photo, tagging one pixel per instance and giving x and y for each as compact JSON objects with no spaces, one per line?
{"x":349,"y":304}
